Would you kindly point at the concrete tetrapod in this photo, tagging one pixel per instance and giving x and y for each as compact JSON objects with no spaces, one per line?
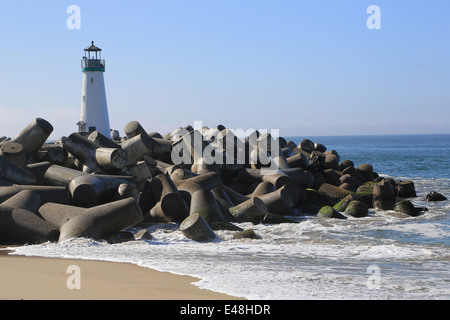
{"x":235,"y":196}
{"x":20,"y":226}
{"x":208,"y":181}
{"x":281,"y":162}
{"x":162,"y":184}
{"x":331,"y":162}
{"x":102,"y":141}
{"x":329,"y":212}
{"x":355,"y":174}
{"x":300,"y":177}
{"x":110,"y":159}
{"x":298,"y":160}
{"x":146,"y":202}
{"x":280,"y":201}
{"x":91,"y":190}
{"x":342,"y":205}
{"x":405,"y":189}
{"x":15,"y":173}
{"x":47,"y":193}
{"x":57,"y":214}
{"x":194,"y":227}
{"x":249,"y":175}
{"x":332,"y":193}
{"x":357,"y":209}
{"x":103,"y":220}
{"x":92,"y":155}
{"x":230,"y":144}
{"x":82,"y":149}
{"x":191,"y":147}
{"x":143,"y":145}
{"x":24,"y":199}
{"x":407,"y":207}
{"x":86,"y":189}
{"x":137,"y":147}
{"x":384,"y":196}
{"x":171,"y":206}
{"x":182,"y":174}
{"x":253,"y":210}
{"x":204,"y":203}
{"x":126,"y":190}
{"x":14,"y":152}
{"x":224,"y":202}
{"x":133,"y":129}
{"x":33,"y":137}
{"x":55,"y":154}
{"x":139,"y":171}
{"x":366,"y":171}
{"x":158,"y":146}
{"x":278,"y":180}
{"x":306,"y":145}
{"x":38,"y":169}
{"x":263,"y":188}
{"x":57,"y":175}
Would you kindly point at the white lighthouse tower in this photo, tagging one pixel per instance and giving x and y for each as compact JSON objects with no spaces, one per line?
{"x":94,"y":109}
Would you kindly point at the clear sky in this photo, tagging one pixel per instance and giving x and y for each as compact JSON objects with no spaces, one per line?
{"x":307,"y":68}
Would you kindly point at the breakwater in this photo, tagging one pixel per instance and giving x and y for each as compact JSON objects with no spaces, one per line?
{"x":89,"y":185}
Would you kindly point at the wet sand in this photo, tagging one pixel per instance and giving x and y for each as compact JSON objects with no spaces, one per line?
{"x":35,"y":278}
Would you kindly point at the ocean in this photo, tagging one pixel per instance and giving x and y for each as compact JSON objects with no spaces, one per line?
{"x":382,"y":256}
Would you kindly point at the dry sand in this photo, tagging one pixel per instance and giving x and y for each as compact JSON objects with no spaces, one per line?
{"x":32,"y":278}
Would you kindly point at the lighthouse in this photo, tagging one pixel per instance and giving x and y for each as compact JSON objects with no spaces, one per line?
{"x":94,"y":109}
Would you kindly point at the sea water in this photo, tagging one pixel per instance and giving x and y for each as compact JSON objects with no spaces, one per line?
{"x":382,"y":256}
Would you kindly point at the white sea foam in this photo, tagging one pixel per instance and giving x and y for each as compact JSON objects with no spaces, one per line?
{"x":314,"y":259}
{"x":435,"y":230}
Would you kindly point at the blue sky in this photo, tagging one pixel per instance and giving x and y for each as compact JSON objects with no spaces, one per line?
{"x":307,"y":68}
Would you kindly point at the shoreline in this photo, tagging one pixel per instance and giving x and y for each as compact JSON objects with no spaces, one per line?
{"x":42,"y":278}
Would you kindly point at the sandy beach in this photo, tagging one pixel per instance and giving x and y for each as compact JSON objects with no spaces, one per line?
{"x":35,"y":278}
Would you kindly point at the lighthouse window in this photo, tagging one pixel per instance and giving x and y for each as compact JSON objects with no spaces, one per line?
{"x":84,"y":98}
{"x":92,"y":80}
